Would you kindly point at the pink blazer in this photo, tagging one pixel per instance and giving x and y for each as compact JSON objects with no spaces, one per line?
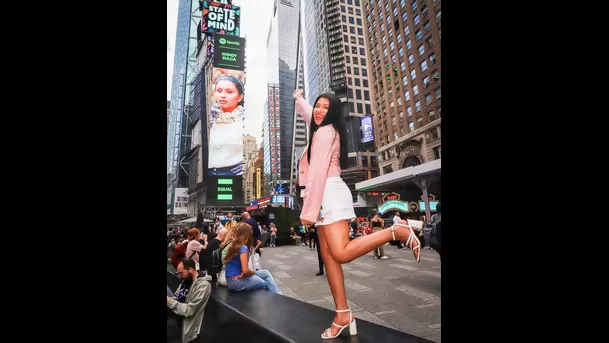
{"x":325,"y":162}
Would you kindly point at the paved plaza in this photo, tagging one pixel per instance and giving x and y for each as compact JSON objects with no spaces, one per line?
{"x":397,"y":293}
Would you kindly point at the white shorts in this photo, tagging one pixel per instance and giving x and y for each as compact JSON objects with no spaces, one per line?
{"x":337,"y":202}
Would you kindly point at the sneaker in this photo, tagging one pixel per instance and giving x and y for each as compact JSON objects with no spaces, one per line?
{"x":384,"y":257}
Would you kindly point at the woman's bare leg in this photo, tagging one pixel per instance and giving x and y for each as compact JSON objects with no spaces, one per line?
{"x":336,"y":278}
{"x":344,"y":251}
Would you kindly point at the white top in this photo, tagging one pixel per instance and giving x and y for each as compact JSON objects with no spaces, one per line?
{"x":226,"y":139}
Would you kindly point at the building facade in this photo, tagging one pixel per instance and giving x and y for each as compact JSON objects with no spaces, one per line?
{"x":405,"y":63}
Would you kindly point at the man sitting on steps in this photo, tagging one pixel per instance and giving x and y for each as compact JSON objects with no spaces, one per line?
{"x":188,"y":303}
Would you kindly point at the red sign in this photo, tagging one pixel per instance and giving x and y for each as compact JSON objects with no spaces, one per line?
{"x":251,"y":208}
{"x":391,"y":196}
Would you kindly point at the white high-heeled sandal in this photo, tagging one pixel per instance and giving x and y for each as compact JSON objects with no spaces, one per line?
{"x":411,"y":237}
{"x":352,"y":327}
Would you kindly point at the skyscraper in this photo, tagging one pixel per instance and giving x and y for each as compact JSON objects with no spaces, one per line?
{"x":282,"y":67}
{"x":404,"y":53}
{"x":184,"y":72}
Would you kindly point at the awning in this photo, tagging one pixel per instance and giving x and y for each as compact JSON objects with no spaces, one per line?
{"x":382,"y":183}
{"x":194,"y":220}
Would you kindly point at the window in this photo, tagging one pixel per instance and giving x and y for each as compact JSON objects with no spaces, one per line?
{"x":350,"y":9}
{"x":423,"y":66}
{"x":344,"y":18}
{"x":391,"y":45}
{"x":413,"y":74}
{"x":404,"y":16}
{"x":417,"y":105}
{"x":409,"y":111}
{"x":414,"y":5}
{"x":426,"y":82}
{"x":439,"y":16}
{"x":411,"y":126}
{"x":427,"y":27}
{"x":382,"y":27}
{"x":419,"y":34}
{"x":390,"y":31}
{"x":417,"y":19}
{"x":400,"y":102}
{"x":421,"y":50}
{"x":415,"y":89}
{"x":437,"y":152}
{"x":431,"y":115}
{"x":355,"y":70}
{"x":365,"y":83}
{"x":406,"y":30}
{"x":387,"y":7}
{"x":410,"y":59}
{"x":438,"y":93}
{"x":424,"y":11}
{"x":393,"y":59}
{"x":364,"y":70}
{"x":401,"y":114}
{"x":360,"y":31}
{"x":402,"y":3}
{"x":388,"y":19}
{"x":368,"y":109}
{"x":385,"y":52}
{"x":384,"y":39}
{"x":408,"y":44}
{"x":403,"y":65}
{"x":407,"y":95}
{"x":401,"y":51}
{"x":432,"y":59}
{"x":355,"y":60}
{"x":366,"y":93}
{"x":395,"y":136}
{"x":345,"y":38}
{"x":419,"y":122}
{"x":359,"y":21}
{"x":357,"y":82}
{"x":405,"y":80}
{"x":428,"y":98}
{"x":395,"y":12}
{"x":429,"y":43}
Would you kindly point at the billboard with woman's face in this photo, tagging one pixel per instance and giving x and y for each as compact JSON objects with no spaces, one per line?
{"x":226,"y":118}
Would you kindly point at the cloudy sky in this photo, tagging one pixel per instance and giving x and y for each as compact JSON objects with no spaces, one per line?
{"x":255,"y":19}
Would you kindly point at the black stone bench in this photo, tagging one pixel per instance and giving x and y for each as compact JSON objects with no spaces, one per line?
{"x":262,"y":316}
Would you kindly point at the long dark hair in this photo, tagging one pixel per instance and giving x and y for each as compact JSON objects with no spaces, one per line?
{"x":334,"y":116}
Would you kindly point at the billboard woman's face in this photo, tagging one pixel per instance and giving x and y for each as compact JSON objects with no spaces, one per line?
{"x":227,"y":95}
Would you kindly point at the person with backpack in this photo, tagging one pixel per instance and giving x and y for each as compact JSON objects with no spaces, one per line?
{"x":433,"y":234}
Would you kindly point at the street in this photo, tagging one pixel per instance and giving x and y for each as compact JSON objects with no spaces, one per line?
{"x":397,"y":293}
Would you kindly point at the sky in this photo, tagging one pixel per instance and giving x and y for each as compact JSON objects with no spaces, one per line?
{"x":255,"y":20}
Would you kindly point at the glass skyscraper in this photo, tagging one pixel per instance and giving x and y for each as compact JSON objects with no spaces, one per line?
{"x":282,"y":67}
{"x":184,"y":72}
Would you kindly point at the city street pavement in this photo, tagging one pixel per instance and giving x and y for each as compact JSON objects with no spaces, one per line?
{"x":397,"y":293}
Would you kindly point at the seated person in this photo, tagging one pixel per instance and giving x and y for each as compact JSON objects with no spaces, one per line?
{"x":188,"y":303}
{"x":239,"y":277}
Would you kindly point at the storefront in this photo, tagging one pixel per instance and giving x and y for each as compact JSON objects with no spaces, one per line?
{"x":413,"y":191}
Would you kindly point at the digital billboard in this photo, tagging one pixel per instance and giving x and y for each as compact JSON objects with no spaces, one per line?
{"x":221,"y":18}
{"x":367,"y":129}
{"x":226,"y":118}
{"x":229,"y":52}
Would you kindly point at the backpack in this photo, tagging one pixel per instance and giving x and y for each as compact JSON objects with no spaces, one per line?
{"x":432,"y":233}
{"x":178,"y":254}
{"x":216,"y":258}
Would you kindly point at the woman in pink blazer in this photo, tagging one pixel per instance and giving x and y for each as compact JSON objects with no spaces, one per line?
{"x":329,"y":205}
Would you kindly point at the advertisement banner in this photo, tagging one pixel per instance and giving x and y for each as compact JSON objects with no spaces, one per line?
{"x":221,"y":18}
{"x":180,"y":201}
{"x":227,"y":115}
{"x":229,"y":52}
{"x":367,"y":129}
